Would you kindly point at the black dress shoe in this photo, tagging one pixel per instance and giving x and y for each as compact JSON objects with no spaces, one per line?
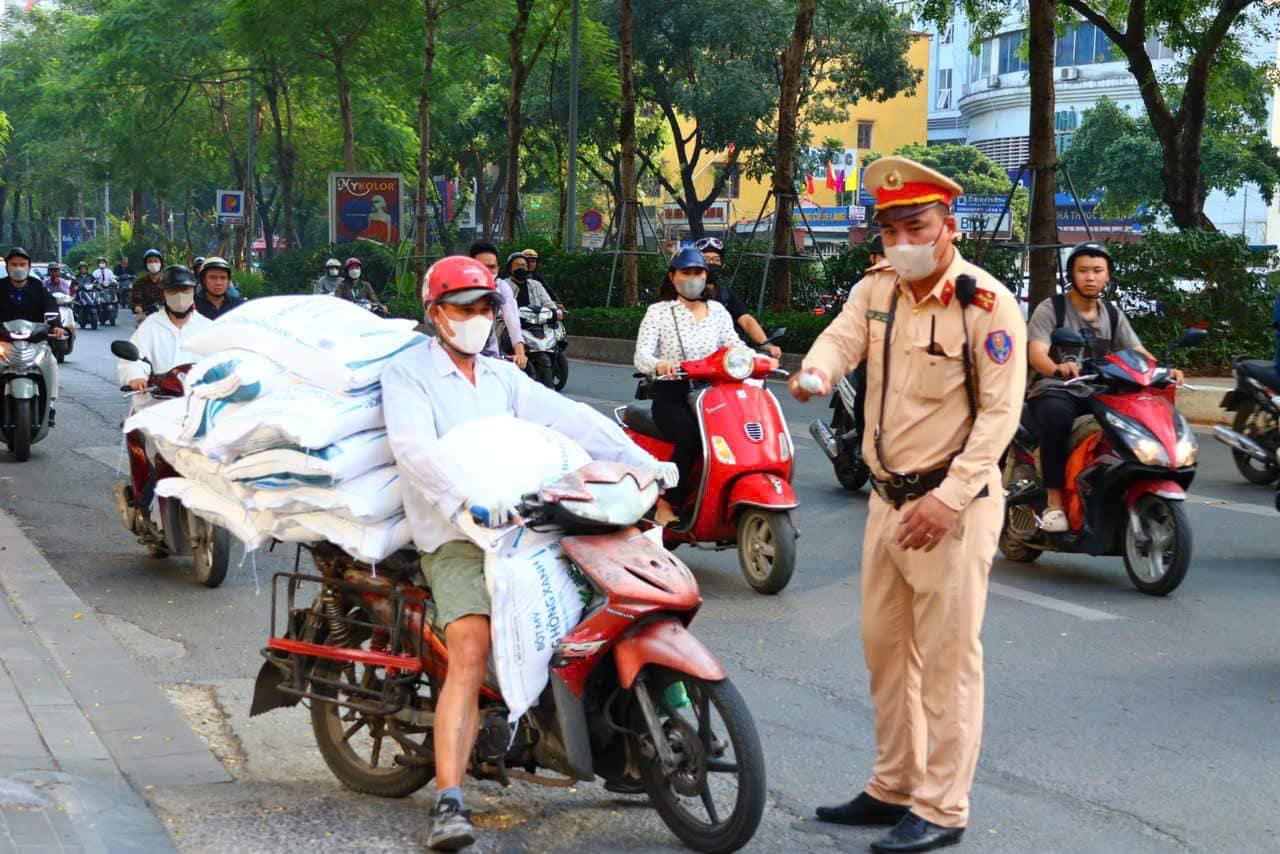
{"x":863,"y":810}
{"x":915,"y":834}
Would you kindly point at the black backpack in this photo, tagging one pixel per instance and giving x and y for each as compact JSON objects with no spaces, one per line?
{"x":1060,"y":312}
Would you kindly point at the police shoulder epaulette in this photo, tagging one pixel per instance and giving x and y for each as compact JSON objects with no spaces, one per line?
{"x":984,"y":299}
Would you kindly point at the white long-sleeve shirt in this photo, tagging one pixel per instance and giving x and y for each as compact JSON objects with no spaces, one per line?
{"x":670,"y":333}
{"x":160,"y":341}
{"x":510,"y":314}
{"x":424,"y":396}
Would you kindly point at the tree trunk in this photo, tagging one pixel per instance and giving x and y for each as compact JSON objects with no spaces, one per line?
{"x":431,"y":14}
{"x":515,"y":127}
{"x":1043,"y":154}
{"x":784,"y":173}
{"x":344,"y":107}
{"x":4,"y":197}
{"x":627,"y":130}
{"x":562,"y":187}
{"x":135,"y":212}
{"x":285,"y":153}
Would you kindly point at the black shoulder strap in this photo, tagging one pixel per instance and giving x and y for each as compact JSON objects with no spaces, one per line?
{"x":1113,"y":314}
{"x":1059,"y":310}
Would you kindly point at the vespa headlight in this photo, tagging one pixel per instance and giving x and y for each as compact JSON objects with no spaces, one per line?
{"x":1186,"y":449}
{"x":1145,"y":447}
{"x":739,"y":363}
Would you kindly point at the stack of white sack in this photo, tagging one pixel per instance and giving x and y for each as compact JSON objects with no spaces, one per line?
{"x":281,"y":433}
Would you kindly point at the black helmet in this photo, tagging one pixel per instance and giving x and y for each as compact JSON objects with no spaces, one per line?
{"x":1088,"y":250}
{"x":178,"y":276}
{"x":686,"y":258}
{"x":877,"y":245}
{"x":17,"y":252}
{"x":152,"y":253}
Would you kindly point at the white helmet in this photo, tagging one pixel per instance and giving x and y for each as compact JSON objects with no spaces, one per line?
{"x":333,"y":262}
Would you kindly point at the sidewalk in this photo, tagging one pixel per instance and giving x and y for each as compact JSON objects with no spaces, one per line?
{"x":84,"y":730}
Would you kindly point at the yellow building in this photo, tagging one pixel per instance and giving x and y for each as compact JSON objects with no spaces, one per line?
{"x":870,"y":126}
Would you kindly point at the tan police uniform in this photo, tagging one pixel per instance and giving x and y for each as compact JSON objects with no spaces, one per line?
{"x":922,"y":611}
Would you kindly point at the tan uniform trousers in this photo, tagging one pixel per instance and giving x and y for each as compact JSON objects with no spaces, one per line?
{"x":921,"y":619}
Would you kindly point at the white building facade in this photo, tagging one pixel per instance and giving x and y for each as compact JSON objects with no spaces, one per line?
{"x":984,"y":100}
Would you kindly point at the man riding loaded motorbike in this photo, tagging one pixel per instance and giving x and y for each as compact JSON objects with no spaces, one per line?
{"x":428,"y":391}
{"x":1055,"y":404}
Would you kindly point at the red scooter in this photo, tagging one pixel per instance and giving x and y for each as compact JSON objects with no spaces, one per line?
{"x":1128,"y":470}
{"x":171,"y":529}
{"x":744,"y":496}
{"x":360,"y":645}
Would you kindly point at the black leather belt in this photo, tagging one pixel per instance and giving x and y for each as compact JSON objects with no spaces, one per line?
{"x":908,"y":487}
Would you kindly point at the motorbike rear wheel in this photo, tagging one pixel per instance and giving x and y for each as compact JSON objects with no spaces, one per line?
{"x":352,"y":742}
{"x":851,"y":471}
{"x":1157,"y":558}
{"x":210,"y":549}
{"x":766,"y":549}
{"x":23,"y":419}
{"x":712,"y":756}
{"x":1256,"y":424}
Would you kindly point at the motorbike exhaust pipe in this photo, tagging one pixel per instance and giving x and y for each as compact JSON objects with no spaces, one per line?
{"x":826,"y":440}
{"x":1243,"y":444}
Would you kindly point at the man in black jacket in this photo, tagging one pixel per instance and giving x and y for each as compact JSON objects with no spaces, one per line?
{"x":24,"y":298}
{"x":213,"y":300}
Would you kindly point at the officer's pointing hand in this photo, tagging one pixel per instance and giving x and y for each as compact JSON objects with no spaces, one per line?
{"x":808,"y":383}
{"x":925,"y":524}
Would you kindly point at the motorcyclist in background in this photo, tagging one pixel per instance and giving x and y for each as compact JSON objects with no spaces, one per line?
{"x":327,"y":285}
{"x":197,"y":263}
{"x":214,"y":298}
{"x":103,"y":275}
{"x":355,"y":288}
{"x":123,"y":269}
{"x":57,"y":284}
{"x":713,"y":250}
{"x":20,"y":300}
{"x":146,"y":289}
{"x":531,"y":256}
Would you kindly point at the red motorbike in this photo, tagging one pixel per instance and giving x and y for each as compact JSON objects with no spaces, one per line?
{"x":161,"y":524}
{"x":744,"y":496}
{"x":1130,"y":464}
{"x":360,"y":644}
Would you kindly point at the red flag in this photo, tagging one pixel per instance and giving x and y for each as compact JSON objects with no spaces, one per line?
{"x":840,"y":181}
{"x":808,"y":183}
{"x":831,"y":176}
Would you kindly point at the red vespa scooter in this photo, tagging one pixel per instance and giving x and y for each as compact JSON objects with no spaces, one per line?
{"x":177,"y":530}
{"x":744,"y":496}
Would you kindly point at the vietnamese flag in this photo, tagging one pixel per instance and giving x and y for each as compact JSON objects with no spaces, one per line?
{"x":831,"y":176}
{"x":808,"y":183}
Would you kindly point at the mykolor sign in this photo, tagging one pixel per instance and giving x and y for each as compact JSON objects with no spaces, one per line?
{"x":365,"y":205}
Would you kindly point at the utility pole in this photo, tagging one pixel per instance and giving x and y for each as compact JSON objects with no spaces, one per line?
{"x":571,"y":198}
{"x":106,"y":214}
{"x":249,"y":230}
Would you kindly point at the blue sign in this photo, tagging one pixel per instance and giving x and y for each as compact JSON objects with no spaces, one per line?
{"x":71,"y":234}
{"x":844,"y":216}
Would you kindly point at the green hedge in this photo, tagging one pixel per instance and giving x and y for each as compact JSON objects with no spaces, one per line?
{"x":295,"y":271}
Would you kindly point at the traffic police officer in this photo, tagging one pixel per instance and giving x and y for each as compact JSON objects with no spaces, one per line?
{"x":945,"y":345}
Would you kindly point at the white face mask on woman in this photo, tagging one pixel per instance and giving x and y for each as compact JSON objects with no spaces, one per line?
{"x":153,"y":266}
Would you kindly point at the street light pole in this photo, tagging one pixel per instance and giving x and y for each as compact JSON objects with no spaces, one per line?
{"x":571,"y":197}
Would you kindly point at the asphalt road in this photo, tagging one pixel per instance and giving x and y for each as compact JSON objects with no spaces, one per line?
{"x":1116,"y":722}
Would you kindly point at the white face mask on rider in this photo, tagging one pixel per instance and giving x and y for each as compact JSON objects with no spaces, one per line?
{"x":691,"y":288}
{"x":180,"y":301}
{"x":153,"y":266}
{"x":913,"y":261}
{"x":354,"y":273}
{"x":470,"y":335}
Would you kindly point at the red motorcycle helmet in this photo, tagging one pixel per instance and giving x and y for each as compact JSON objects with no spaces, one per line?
{"x":459,"y":280}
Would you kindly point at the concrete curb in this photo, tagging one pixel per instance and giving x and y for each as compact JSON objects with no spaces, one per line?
{"x":139,"y":729}
{"x":1200,"y":400}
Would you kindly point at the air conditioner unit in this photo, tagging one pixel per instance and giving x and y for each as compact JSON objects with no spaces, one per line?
{"x":993,"y":82}
{"x":1069,"y":73}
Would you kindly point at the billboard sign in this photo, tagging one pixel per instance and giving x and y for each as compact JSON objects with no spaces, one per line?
{"x":365,"y":205}
{"x":71,"y":233}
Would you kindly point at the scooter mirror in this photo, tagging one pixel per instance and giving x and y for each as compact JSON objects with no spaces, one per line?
{"x":1066,"y":338}
{"x":1192,"y":338}
{"x":777,"y":335}
{"x":126,"y":350}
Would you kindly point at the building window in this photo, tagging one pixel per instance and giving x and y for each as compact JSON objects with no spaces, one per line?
{"x":948,"y":34}
{"x":1010,"y":45}
{"x":1157,"y":49}
{"x":1084,"y":44}
{"x":1011,"y":152}
{"x":980,"y":64}
{"x":943,"y":99}
{"x":864,"y":135}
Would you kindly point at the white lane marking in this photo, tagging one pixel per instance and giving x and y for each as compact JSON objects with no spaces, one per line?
{"x":1061,"y":606}
{"x":1235,"y":506}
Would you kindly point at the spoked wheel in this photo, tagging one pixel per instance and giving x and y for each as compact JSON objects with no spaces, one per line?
{"x":714,"y":796}
{"x":210,"y":549}
{"x":766,"y":549}
{"x":1019,"y":521}
{"x":1261,"y":427}
{"x":1157,"y":545}
{"x":369,"y":753}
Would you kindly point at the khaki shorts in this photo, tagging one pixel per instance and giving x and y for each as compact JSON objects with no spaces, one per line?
{"x":455,"y":574}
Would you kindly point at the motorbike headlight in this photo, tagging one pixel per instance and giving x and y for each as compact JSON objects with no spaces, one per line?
{"x":739,"y":363}
{"x":1187,"y":448}
{"x":1145,"y":447}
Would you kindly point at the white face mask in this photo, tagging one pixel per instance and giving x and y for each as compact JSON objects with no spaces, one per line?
{"x":153,"y":266}
{"x":354,"y":273}
{"x":19,"y":274}
{"x":102,"y":265}
{"x":691,"y":288}
{"x":334,"y":272}
{"x":470,"y":335}
{"x":179,"y":302}
{"x":912,"y":261}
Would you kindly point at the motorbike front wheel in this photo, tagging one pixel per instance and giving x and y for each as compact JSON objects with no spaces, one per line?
{"x":766,"y":549}
{"x":92,"y":314}
{"x":1261,"y":427}
{"x":560,"y":371}
{"x":1020,"y":522}
{"x":1157,"y":545}
{"x":210,"y":549}
{"x":714,"y":797}
{"x":541,"y":369}
{"x":23,"y":419}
